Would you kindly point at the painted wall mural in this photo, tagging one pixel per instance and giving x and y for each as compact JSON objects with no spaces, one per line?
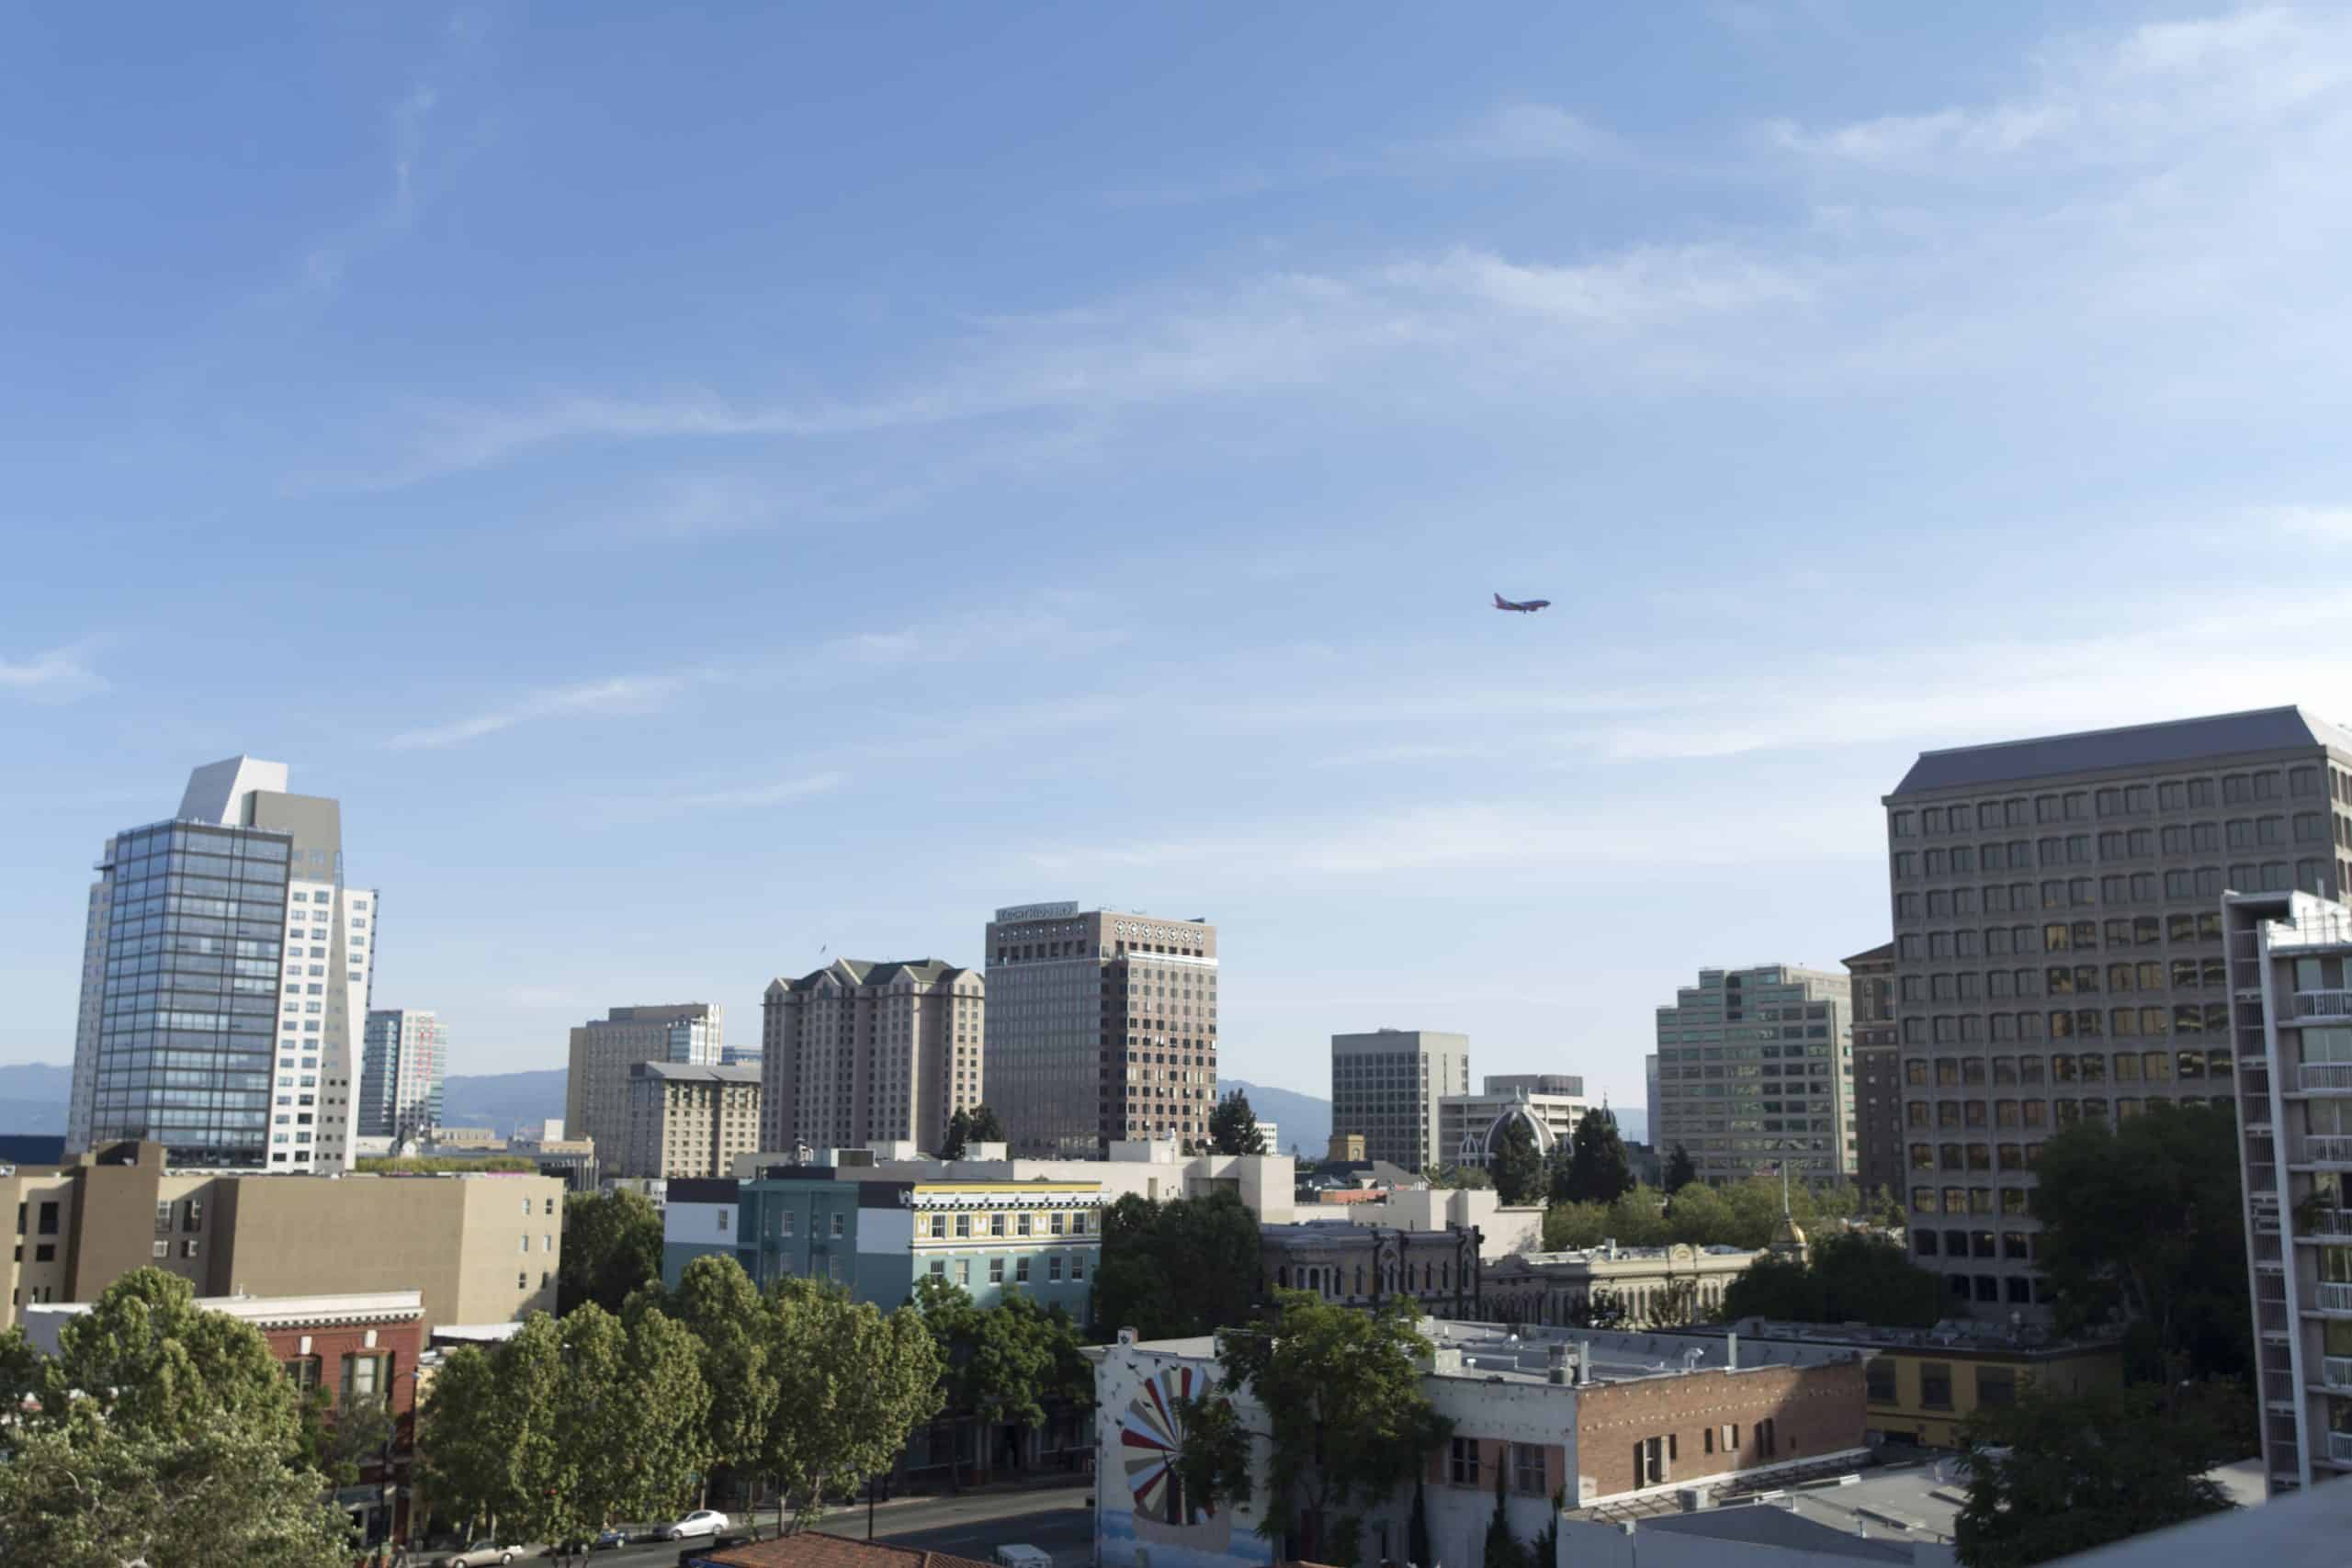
{"x":1143,"y":1519}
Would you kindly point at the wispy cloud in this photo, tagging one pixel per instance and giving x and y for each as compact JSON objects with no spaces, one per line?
{"x":1533,"y":132}
{"x":774,"y":793}
{"x":2330,"y":523}
{"x":623,"y":694}
{"x":60,"y":675}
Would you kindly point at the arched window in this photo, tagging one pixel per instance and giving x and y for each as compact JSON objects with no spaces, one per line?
{"x":1282,"y":1275}
{"x":1358,"y":1279}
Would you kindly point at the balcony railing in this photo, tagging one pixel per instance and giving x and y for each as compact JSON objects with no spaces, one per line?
{"x":2335,"y":1371}
{"x":2324,"y":1078}
{"x":2328,"y":1148}
{"x":2323,"y":1004}
{"x":2333,"y":1297}
{"x":2323,"y":1221}
{"x":2339,"y":1447}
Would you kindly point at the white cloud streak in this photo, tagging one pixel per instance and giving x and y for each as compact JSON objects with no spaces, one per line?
{"x":60,"y":675}
{"x":619,"y":694}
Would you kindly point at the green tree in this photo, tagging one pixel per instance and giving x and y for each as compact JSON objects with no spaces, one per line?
{"x":1852,"y":1277}
{"x":1699,"y":1215}
{"x":959,"y":1135}
{"x":1598,"y":1171}
{"x":2054,"y":1476}
{"x":1212,"y":1463}
{"x":1502,"y":1547}
{"x":1516,"y":1164}
{"x":1348,"y":1421}
{"x":1598,"y":1308}
{"x":1676,"y":1305}
{"x":1680,"y":1170}
{"x":1559,"y":1167}
{"x":987,"y":1127}
{"x":468,"y":1434}
{"x":1173,"y":1269}
{"x":1458,"y":1177}
{"x":853,"y":1382}
{"x":341,"y":1438}
{"x":164,"y":1433}
{"x":612,"y":1244}
{"x":2144,"y":1216}
{"x":1233,"y":1127}
{"x":718,"y":1303}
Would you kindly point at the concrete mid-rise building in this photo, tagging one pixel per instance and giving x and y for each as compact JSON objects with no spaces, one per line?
{"x":1349,"y":1262}
{"x":1102,"y":1027}
{"x":481,"y":1249}
{"x":1470,"y":1126}
{"x":689,"y":1121}
{"x":402,"y":1067}
{"x":1878,"y":1072}
{"x":1756,"y":1073}
{"x":225,"y":970}
{"x":1387,"y":1084}
{"x":2290,"y":971}
{"x":2059,"y":951}
{"x":1653,"y":1286}
{"x":595,"y":1086}
{"x":859,"y":1052}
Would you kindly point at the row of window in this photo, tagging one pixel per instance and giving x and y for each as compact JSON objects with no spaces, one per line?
{"x":1054,"y":1266}
{"x":2063,"y":1067}
{"x":2209,"y":882}
{"x":2139,"y":843}
{"x":2115,"y":800}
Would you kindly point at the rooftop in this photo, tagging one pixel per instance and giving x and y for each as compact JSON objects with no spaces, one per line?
{"x":2136,"y":746}
{"x":1957,"y":1334}
{"x":1872,"y":1514}
{"x":814,"y":1549}
{"x":690,"y":1072}
{"x":874,"y":972}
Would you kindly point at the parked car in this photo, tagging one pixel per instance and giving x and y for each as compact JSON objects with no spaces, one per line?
{"x":615,"y":1536}
{"x":702,"y":1521}
{"x":482,"y":1554}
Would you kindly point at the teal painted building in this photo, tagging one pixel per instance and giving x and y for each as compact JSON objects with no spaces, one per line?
{"x":876,"y":1238}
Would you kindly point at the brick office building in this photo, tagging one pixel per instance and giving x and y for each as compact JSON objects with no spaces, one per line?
{"x":1591,"y":1417}
{"x":358,"y":1347}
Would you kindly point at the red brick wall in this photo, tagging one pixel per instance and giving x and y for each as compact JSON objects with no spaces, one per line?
{"x":400,"y":1343}
{"x":1814,"y":1411}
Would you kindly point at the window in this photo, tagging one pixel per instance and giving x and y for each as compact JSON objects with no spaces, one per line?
{"x":1935,"y":1384}
{"x":996,"y":1271}
{"x":1461,"y":1462}
{"x":784,"y":1223}
{"x":1995,"y":1386}
{"x":1020,"y":1224}
{"x":1020,"y":1271}
{"x":1527,"y":1470}
{"x":939,"y":1268}
{"x":837,"y":1224}
{"x":1054,"y":1267}
{"x":996,"y":1224}
{"x":302,"y":1371}
{"x":963,"y":1271}
{"x":1878,"y":1380}
{"x":363,"y":1379}
{"x":964,"y":1225}
{"x":1078,"y":1266}
{"x":722,"y":1222}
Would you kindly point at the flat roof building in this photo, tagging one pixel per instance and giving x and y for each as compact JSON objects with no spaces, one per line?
{"x":2059,"y":953}
{"x":603,"y":1050}
{"x":1388,"y":1084}
{"x":1756,"y":1073}
{"x":686,"y":1119}
{"x":1878,"y":1072}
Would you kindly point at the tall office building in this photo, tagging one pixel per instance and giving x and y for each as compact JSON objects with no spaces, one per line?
{"x":1102,"y":1027}
{"x":1386,"y":1085}
{"x":1878,"y":1075}
{"x":1649,"y":1103}
{"x":595,"y":1086}
{"x":2058,"y":947}
{"x":405,"y":1057}
{"x":1756,"y":1073}
{"x":689,"y":1121}
{"x":860,"y":1053}
{"x":2291,"y":1036}
{"x":224,"y":972}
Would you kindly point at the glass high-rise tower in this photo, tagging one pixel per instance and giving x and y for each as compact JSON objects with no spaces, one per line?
{"x":224,"y":974}
{"x":403,"y":1059}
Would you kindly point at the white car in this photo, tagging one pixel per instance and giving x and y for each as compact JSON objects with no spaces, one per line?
{"x":702,"y":1521}
{"x":482,"y":1554}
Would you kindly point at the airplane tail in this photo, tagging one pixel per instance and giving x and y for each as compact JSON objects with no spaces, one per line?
{"x":1499,"y":602}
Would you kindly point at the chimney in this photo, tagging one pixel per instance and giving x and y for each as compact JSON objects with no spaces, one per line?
{"x":1731,"y":1351}
{"x":1555,"y":1363}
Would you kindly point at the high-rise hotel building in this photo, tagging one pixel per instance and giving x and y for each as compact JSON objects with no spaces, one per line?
{"x":403,"y":1061}
{"x":860,"y":1053}
{"x":224,"y":977}
{"x":1756,"y":1073}
{"x":1102,"y":1027}
{"x":2060,"y":955}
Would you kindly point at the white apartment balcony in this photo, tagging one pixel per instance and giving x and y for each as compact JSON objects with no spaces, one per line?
{"x":2324,"y":1223}
{"x":2330,"y":1296}
{"x":2323,"y":1004}
{"x":2340,"y":1448}
{"x":2336,"y":1373}
{"x":2324,"y":1078}
{"x":2327,"y":1148}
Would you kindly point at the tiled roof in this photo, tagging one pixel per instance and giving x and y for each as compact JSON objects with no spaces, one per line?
{"x":813,"y":1548}
{"x":2137,"y":746}
{"x":859,"y":972}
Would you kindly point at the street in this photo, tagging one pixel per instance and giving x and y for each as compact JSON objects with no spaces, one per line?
{"x":1059,"y":1521}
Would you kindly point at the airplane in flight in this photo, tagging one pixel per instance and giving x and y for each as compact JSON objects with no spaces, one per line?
{"x":1524,"y":606}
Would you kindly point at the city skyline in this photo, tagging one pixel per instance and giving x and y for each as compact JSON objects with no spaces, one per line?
{"x":1209,"y":376}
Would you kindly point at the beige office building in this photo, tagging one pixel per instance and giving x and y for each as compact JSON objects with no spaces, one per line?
{"x":596,"y":1089}
{"x":1386,"y":1085}
{"x":2059,"y":949}
{"x":689,"y":1121}
{"x":1470,"y":1126}
{"x":482,"y":1248}
{"x":1756,"y":1073}
{"x":1102,"y":1027}
{"x":861,"y":1053}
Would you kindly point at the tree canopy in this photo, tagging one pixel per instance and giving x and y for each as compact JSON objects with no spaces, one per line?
{"x":1003,"y":1364}
{"x":2054,"y":1476}
{"x":1597,"y":1169}
{"x":1233,"y":1127}
{"x":1179,"y":1267}
{"x":1349,"y":1422}
{"x":1737,"y":1214}
{"x":1680,"y":1171}
{"x":612,"y":1245}
{"x":1852,"y":1277}
{"x":1517,"y":1165}
{"x":2143,"y":1216}
{"x":855,"y":1381}
{"x":162,"y":1433}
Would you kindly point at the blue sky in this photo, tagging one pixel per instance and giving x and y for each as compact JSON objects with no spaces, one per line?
{"x":699,"y":488}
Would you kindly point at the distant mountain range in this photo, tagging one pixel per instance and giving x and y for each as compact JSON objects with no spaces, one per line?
{"x":33,"y":1098}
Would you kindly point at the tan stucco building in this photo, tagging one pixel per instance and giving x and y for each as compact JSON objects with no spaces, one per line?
{"x":861,"y":1053}
{"x":480,"y":1248}
{"x":595,"y":1084}
{"x":689,"y":1121}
